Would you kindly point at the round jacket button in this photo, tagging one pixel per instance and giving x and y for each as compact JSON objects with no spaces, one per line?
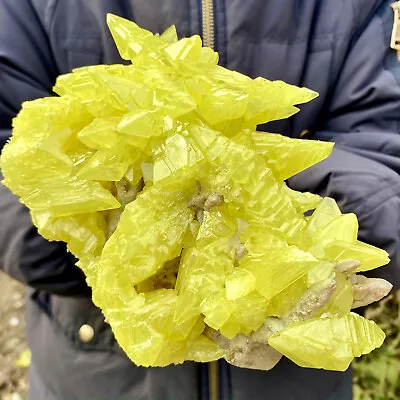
{"x":86,"y":333}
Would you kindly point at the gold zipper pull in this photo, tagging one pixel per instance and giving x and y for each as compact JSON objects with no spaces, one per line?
{"x":213,"y":379}
{"x":395,"y":40}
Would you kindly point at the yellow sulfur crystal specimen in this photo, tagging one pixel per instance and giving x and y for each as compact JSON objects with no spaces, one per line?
{"x":155,"y":176}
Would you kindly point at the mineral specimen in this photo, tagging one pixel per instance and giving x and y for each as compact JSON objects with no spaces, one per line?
{"x":195,"y":248}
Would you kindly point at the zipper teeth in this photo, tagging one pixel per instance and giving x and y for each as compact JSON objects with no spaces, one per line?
{"x":207,"y":11}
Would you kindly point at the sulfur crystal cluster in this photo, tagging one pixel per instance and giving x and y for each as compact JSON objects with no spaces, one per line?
{"x":154,"y":175}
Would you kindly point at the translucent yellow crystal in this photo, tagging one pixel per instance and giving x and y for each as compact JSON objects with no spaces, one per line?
{"x":154,"y":175}
{"x":329,"y":343}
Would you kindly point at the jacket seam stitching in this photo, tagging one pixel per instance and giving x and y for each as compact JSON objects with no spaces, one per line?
{"x":273,"y":39}
{"x":51,"y":18}
{"x":393,"y":190}
{"x":365,"y":214}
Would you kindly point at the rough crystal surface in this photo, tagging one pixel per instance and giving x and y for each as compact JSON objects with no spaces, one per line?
{"x":155,"y":176}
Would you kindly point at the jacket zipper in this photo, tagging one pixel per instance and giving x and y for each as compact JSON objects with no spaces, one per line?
{"x":207,"y":14}
{"x":213,"y":380}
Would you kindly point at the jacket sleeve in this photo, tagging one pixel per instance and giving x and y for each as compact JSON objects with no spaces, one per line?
{"x":363,"y":119}
{"x":28,"y":71}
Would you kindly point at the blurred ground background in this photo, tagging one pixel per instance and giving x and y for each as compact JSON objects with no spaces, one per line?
{"x":13,"y":378}
{"x":376,"y":376}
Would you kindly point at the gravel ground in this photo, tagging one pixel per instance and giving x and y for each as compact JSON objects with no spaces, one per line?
{"x":13,"y":379}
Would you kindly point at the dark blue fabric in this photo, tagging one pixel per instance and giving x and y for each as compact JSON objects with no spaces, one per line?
{"x":363,"y":120}
{"x":339,"y":48}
